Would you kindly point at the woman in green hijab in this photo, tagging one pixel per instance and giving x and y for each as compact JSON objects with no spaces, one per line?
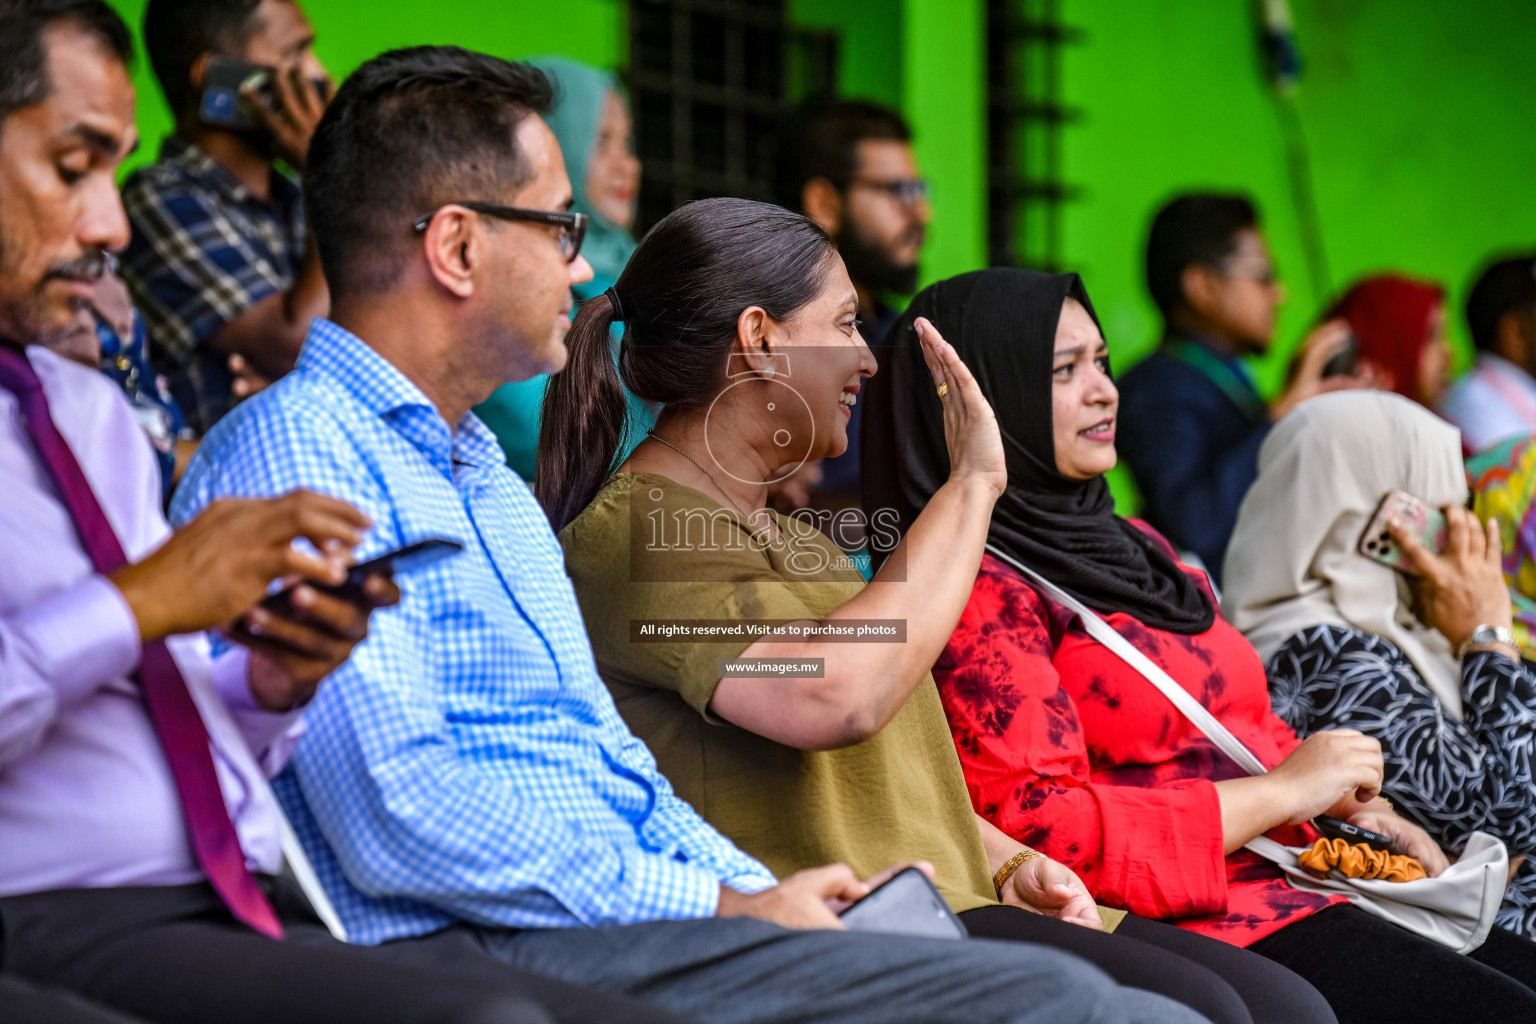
{"x":591,"y":121}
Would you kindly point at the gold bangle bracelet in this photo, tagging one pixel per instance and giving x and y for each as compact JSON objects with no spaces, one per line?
{"x":1006,"y":871}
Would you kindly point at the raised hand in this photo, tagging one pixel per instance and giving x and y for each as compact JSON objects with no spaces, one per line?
{"x":296,"y":114}
{"x":970,"y":427}
{"x":1464,"y":587}
{"x":1307,"y":378}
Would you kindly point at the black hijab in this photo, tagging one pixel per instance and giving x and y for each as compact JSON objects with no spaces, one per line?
{"x":1002,"y":322}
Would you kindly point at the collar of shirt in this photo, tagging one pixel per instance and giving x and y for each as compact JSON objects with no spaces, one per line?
{"x":337,"y":353}
{"x":1209,"y":344}
{"x":1491,"y":363}
{"x":198,"y":166}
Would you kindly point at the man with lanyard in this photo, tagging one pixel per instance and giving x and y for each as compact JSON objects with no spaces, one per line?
{"x":1191,"y":420}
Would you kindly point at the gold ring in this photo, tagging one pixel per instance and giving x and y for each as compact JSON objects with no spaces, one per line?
{"x":943,"y":388}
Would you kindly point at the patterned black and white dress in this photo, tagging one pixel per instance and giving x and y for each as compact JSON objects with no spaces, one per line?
{"x":1452,"y":778}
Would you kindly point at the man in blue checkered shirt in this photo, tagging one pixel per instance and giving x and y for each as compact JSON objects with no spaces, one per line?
{"x":465,"y":781}
{"x":221,"y":266}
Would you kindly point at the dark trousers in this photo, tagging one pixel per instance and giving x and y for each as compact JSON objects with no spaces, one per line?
{"x":1219,"y":981}
{"x":22,"y":1003}
{"x":174,"y":955}
{"x":1373,"y":972}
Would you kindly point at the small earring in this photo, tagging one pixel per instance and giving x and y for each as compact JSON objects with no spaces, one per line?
{"x":770,"y":373}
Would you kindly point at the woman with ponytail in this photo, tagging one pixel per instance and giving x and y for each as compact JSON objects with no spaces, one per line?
{"x":738,"y":319}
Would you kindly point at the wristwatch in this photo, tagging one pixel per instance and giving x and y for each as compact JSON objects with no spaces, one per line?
{"x":1485,"y":635}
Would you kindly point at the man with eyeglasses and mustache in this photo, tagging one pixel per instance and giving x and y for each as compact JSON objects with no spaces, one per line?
{"x":848,"y":165}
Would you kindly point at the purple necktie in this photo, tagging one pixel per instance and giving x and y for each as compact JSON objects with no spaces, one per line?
{"x":177,"y":722}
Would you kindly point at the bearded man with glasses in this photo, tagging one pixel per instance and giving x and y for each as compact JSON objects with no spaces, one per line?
{"x":849,"y":166}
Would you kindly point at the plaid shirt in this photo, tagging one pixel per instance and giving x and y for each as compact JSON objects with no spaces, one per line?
{"x":467,"y":763}
{"x":204,"y":250}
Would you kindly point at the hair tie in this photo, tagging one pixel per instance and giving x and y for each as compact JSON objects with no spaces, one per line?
{"x":618,"y":309}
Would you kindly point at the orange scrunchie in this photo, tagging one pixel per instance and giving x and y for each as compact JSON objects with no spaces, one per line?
{"x":1360,"y":861}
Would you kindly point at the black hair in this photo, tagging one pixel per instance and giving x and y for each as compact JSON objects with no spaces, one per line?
{"x":178,"y":32}
{"x":23,"y":58}
{"x":682,"y":293}
{"x":1507,"y":285}
{"x":1196,"y":229}
{"x":408,"y":131}
{"x":820,"y":139}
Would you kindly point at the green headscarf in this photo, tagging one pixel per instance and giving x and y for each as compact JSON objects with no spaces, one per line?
{"x":581,"y":90}
{"x":514,"y":411}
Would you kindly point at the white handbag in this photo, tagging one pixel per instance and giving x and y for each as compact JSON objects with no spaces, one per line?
{"x":1455,"y":909}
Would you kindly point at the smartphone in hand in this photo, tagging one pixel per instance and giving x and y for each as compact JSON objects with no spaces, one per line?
{"x":224,"y":104}
{"x":1345,"y":361}
{"x":1425,"y":523}
{"x":907,"y":903}
{"x":1333,"y":828}
{"x":392,"y":563}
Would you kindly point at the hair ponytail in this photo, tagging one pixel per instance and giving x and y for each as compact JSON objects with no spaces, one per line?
{"x":585,"y":418}
{"x":684,"y":288}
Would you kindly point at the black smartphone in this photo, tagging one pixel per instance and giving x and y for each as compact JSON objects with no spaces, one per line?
{"x":223,"y":104}
{"x":403,"y":559}
{"x":1333,"y":828}
{"x":905,"y":904}
{"x":1346,"y":360}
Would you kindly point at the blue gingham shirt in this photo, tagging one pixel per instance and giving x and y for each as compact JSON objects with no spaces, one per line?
{"x":467,"y":763}
{"x":204,"y":250}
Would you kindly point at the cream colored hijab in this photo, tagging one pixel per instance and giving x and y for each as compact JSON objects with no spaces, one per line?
{"x":1293,"y":561}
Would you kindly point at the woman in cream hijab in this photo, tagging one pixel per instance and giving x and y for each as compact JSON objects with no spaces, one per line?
{"x":1351,"y":643}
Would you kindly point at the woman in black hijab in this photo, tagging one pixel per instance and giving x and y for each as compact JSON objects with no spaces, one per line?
{"x":1064,"y":528}
{"x":1067,"y":748}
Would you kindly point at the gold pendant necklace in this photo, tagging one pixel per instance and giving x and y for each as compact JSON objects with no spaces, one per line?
{"x":718,"y":485}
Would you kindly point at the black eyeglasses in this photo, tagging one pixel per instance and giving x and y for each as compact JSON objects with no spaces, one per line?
{"x":906,"y":191}
{"x":573,"y":226}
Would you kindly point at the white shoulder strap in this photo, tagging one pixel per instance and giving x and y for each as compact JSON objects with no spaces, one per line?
{"x":304,"y":874}
{"x":1181,"y":698}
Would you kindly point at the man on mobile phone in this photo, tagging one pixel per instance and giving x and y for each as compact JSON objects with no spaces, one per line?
{"x":221,"y":265}
{"x":849,"y":166}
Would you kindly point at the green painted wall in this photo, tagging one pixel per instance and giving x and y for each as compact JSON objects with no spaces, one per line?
{"x":944,"y":96}
{"x":1417,"y":113}
{"x":869,"y":43}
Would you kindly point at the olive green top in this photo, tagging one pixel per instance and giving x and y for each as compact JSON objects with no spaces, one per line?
{"x":650,"y":550}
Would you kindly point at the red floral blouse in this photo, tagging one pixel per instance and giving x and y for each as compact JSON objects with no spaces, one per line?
{"x":1069,"y":750}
